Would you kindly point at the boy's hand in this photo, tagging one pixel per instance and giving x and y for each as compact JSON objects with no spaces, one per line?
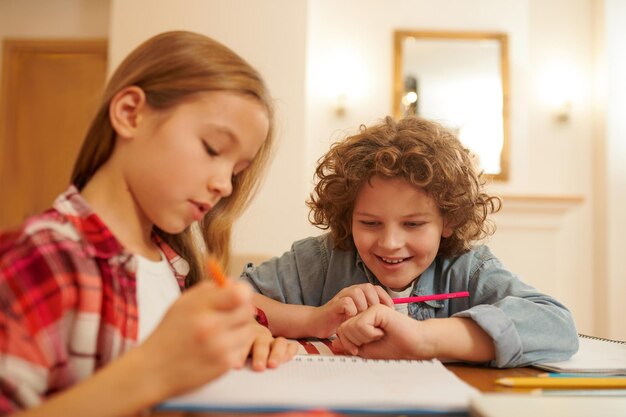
{"x":268,"y":351}
{"x":347,"y":303}
{"x":383,"y":333}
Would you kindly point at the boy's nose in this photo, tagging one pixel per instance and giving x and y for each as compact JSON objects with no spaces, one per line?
{"x":391,"y":239}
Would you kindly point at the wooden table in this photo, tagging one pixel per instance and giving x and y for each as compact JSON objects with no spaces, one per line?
{"x":479,"y":377}
{"x":483,"y":378}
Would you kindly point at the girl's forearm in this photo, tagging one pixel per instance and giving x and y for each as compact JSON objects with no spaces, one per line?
{"x":459,"y":339}
{"x":287,"y":320}
{"x":123,"y":388}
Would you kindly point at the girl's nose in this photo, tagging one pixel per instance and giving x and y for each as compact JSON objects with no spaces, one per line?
{"x":221,"y":182}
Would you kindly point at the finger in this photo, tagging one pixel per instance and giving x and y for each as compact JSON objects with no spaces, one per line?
{"x":347,"y":307}
{"x":282,"y":351}
{"x":350,"y":336}
{"x":355,"y":292}
{"x":237,"y":316}
{"x":360,"y":299}
{"x":372,"y":294}
{"x":243,"y":343}
{"x":365,"y":329}
{"x":338,"y":346}
{"x":260,"y":353}
{"x":344,"y":343}
{"x":361,"y":329}
{"x":292,"y":349}
{"x":383,"y":296}
{"x":209,"y":325}
{"x":372,"y":351}
{"x":229,"y":347}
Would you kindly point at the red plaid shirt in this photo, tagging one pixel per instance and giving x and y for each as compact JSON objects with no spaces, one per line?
{"x":67,"y":301}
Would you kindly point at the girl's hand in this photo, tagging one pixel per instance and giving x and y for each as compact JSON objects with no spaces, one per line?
{"x":269,"y":352}
{"x":206,"y":332}
{"x":383,"y":333}
{"x":347,"y":303}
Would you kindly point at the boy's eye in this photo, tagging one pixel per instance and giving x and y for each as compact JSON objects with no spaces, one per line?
{"x":369,"y":223}
{"x":209,"y":150}
{"x":414,"y":224}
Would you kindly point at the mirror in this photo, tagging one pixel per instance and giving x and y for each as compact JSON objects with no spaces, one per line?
{"x":460,"y":80}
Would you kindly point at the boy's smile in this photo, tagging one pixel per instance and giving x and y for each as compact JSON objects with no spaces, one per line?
{"x":397,"y":229}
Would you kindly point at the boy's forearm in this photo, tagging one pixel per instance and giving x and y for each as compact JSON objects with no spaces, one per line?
{"x":287,"y":320}
{"x":459,"y":339}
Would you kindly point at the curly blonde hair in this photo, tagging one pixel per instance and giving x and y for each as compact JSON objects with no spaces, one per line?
{"x":419,"y":151}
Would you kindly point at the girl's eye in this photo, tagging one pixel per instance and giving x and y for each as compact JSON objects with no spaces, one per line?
{"x":209,"y":150}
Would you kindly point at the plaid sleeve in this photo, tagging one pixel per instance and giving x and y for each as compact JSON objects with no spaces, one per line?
{"x":37,"y":297}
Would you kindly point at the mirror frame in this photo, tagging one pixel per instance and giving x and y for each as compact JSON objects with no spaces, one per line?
{"x":501,"y":38}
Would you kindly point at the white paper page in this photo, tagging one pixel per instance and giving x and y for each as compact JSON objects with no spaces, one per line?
{"x":335,"y":383}
{"x":594,"y":355}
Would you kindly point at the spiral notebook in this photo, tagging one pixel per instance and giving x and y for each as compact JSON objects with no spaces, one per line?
{"x":337,"y":383}
{"x":595,"y":356}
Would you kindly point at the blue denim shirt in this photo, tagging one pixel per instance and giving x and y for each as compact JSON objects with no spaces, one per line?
{"x":526,"y":326}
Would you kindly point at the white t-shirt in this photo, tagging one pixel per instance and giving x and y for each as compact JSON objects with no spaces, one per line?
{"x":404,"y":307}
{"x":157,"y":289}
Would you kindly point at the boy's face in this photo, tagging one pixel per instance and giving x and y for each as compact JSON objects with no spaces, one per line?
{"x":181,"y":161}
{"x":397,"y":229}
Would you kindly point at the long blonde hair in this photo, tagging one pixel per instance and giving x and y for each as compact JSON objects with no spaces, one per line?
{"x":170,"y":67}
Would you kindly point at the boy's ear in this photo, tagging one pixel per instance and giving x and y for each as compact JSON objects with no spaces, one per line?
{"x":125,"y":110}
{"x":447,"y":230}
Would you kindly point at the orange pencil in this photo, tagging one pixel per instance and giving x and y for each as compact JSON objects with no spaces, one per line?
{"x":216,"y":271}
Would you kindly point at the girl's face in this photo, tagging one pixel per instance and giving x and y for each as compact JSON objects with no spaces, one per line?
{"x":180,"y":162}
{"x":397,"y":229}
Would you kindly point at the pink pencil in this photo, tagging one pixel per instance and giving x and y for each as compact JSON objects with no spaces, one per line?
{"x":430,"y":297}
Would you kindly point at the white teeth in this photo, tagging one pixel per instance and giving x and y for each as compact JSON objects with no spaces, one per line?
{"x":392,"y":261}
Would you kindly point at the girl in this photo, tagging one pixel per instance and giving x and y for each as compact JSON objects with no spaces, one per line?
{"x":403,"y":203}
{"x":179,"y":142}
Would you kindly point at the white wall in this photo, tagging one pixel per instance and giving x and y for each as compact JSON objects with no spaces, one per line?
{"x":561,"y":61}
{"x":132,"y":22}
{"x":613,"y":203}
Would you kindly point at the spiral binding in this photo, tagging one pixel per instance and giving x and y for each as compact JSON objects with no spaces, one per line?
{"x":348,"y":359}
{"x":602,"y":339}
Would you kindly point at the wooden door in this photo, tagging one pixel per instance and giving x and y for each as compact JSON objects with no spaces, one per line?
{"x":50,"y":92}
